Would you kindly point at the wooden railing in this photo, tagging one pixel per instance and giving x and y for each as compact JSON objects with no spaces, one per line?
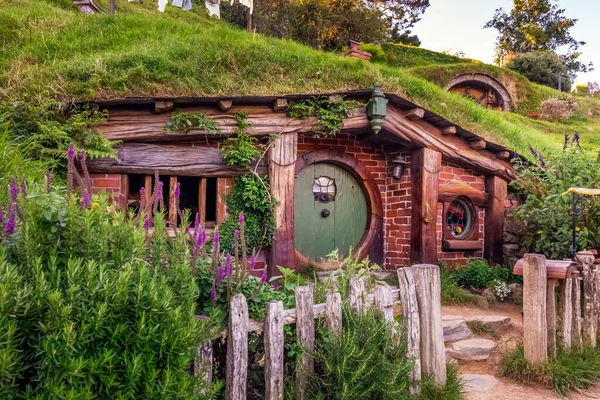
{"x":419,"y":294}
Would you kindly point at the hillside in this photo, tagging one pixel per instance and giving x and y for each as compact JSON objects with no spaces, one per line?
{"x":51,"y":50}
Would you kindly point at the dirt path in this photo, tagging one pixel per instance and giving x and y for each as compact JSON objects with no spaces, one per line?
{"x":506,"y":389}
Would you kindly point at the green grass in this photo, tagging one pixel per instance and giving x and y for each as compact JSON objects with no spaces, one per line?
{"x":452,"y":294}
{"x":481,"y":329}
{"x":48,"y":49}
{"x":569,"y":371}
{"x":399,"y":55}
{"x":452,"y":391}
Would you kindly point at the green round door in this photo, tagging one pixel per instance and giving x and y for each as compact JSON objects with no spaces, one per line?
{"x":330,"y":211}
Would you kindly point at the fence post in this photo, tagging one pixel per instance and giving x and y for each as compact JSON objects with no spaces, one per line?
{"x":589,"y":306}
{"x":356,"y":295}
{"x":383,"y":302}
{"x":203,"y":364}
{"x":410,"y":313}
{"x":535,"y":330}
{"x":305,"y":329}
{"x":597,"y":297}
{"x":566,"y":312}
{"x":237,"y":349}
{"x":274,"y":350}
{"x":551,"y":316}
{"x":333,"y":313}
{"x":577,"y":341}
{"x":428,"y":290}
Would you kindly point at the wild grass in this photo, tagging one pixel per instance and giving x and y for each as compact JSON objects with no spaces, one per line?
{"x":481,"y":329}
{"x":452,"y":391}
{"x":452,"y":294}
{"x":571,"y":370}
{"x":51,"y":50}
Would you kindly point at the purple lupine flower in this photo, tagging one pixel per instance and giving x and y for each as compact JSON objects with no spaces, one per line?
{"x":263,"y":278}
{"x":142,"y":192}
{"x":228,"y":264}
{"x":252,"y":262}
{"x":23,"y":186}
{"x":241,"y":219}
{"x":85,"y":199}
{"x":216,"y":237}
{"x":11,"y":222}
{"x":567,"y":137}
{"x":1,"y":215}
{"x":14,"y":190}
{"x":159,"y":190}
{"x":200,"y":240}
{"x":221,"y":272}
{"x":533,"y":151}
{"x":187,"y":230}
{"x":213,"y":293}
{"x":82,"y":155}
{"x":48,"y":181}
{"x":196,"y":223}
{"x":177,"y":191}
{"x":236,"y":233}
{"x":576,"y":138}
{"x":146,"y":222}
{"x":121,"y":197}
{"x":71,"y":152}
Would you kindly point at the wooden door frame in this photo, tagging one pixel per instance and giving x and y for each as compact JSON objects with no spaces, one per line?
{"x":371,"y":242}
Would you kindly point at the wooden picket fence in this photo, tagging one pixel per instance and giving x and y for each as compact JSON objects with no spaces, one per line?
{"x":572,"y":321}
{"x":419,"y":294}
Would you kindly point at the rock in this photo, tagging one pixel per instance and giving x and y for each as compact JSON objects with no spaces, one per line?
{"x":479,"y":383}
{"x":456,"y":329}
{"x":449,"y":358}
{"x":489,"y":296}
{"x":472,"y":349}
{"x":497,"y":322}
{"x":516,"y":293}
{"x":482,"y":301}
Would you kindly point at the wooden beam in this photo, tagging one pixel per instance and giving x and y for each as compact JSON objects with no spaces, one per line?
{"x":449,"y":130}
{"x":280,"y":105}
{"x":503,"y":155}
{"x":282,"y":165}
{"x":202,"y":201}
{"x":462,"y":245}
{"x":148,"y":187}
{"x":221,"y":191}
{"x":415,"y":114}
{"x":162,"y":106}
{"x":453,"y":148}
{"x":225,"y":105}
{"x":169,"y":159}
{"x":478,"y":144}
{"x":497,"y":192}
{"x":172,"y":201}
{"x":425,"y":169}
{"x":124,"y":192}
{"x":454,"y":189}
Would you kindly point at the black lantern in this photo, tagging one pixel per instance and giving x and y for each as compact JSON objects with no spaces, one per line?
{"x":377,"y":108}
{"x":398,"y":164}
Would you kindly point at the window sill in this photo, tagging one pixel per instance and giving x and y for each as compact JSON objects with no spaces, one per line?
{"x":462,"y":245}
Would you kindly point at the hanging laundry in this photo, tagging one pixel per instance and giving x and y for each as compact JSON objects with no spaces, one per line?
{"x":187,"y":5}
{"x":162,"y":4}
{"x":247,"y":3}
{"x":213,"y":7}
{"x":177,"y":3}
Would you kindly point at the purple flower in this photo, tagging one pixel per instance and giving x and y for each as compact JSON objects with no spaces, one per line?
{"x":201,"y":237}
{"x":48,"y":181}
{"x":252,"y":262}
{"x":241,"y":219}
{"x":14,"y":189}
{"x":159,"y":190}
{"x":121,"y":197}
{"x":85,"y":199}
{"x":23,"y":186}
{"x":82,"y":155}
{"x":71,"y":152}
{"x":590,"y":113}
{"x":177,"y":191}
{"x":213,"y":293}
{"x":142,"y":192}
{"x":236,"y":233}
{"x":187,"y":230}
{"x":228,"y":264}
{"x":567,"y":137}
{"x":11,"y":222}
{"x":263,"y":278}
{"x":1,"y":215}
{"x":221,"y":274}
{"x":216,"y":237}
{"x":146,"y":222}
{"x":576,"y":138}
{"x":196,"y":223}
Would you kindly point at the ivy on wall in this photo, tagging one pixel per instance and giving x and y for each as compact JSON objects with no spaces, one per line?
{"x":329,"y":113}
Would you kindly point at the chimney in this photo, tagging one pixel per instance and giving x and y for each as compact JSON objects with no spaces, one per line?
{"x":355,"y":51}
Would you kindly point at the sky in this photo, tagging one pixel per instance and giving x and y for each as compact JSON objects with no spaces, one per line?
{"x":457,"y":25}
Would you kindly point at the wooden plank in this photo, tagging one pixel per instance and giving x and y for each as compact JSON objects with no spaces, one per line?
{"x":221,"y":191}
{"x":282,"y":165}
{"x":203,"y":365}
{"x":415,"y":114}
{"x":148,"y":187}
{"x":280,"y":105}
{"x":333,"y":313}
{"x":449,"y":130}
{"x":565,"y":310}
{"x":425,"y":169}
{"x":124,"y":192}
{"x":356,"y":295}
{"x":556,"y":269}
{"x":172,"y":201}
{"x":497,"y":191}
{"x":551,"y":316}
{"x":383,"y":303}
{"x":462,"y":245}
{"x":305,"y":330}
{"x":237,"y":349}
{"x":274,"y":350}
{"x":225,"y":105}
{"x":577,"y":338}
{"x":454,"y":148}
{"x":535,"y":330}
{"x":590,"y":320}
{"x":455,"y":188}
{"x":202,"y":201}
{"x":410,"y":314}
{"x":428,"y":290}
{"x":188,"y":159}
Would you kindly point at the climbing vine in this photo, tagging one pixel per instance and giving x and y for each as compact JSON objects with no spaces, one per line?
{"x":329,"y":112}
{"x":182,"y":121}
{"x":242,"y":149}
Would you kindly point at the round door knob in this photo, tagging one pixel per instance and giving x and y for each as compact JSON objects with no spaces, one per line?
{"x":325,"y":213}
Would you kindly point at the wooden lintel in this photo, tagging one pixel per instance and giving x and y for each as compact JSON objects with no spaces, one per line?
{"x":449,"y":130}
{"x":478,"y":144}
{"x":280,"y":105}
{"x":162,"y":106}
{"x":503,"y":155}
{"x":225,"y":105}
{"x":415,"y":114}
{"x":462,"y":245}
{"x":456,"y":189}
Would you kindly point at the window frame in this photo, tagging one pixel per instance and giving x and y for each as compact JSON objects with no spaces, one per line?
{"x":470,"y":241}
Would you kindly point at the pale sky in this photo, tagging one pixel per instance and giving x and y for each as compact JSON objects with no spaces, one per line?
{"x":458,"y":25}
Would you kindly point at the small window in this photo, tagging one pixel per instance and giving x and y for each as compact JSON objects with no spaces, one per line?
{"x":459,"y":218}
{"x":324,"y":189}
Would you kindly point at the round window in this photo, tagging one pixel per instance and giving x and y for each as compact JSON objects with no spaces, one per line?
{"x":459,"y":217}
{"x":324,"y":189}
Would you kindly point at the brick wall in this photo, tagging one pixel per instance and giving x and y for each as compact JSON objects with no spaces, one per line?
{"x":109,"y":183}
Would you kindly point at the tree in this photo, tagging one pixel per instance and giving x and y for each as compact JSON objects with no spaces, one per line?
{"x":403,"y":14}
{"x":542,"y":67}
{"x":537,"y":25}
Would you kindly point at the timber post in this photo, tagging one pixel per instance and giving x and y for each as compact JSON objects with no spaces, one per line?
{"x":535,"y":337}
{"x":282,"y":165}
{"x":425,"y":169}
{"x":496,"y":189}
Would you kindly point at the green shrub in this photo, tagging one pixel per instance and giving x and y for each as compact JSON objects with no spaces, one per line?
{"x":452,"y":391}
{"x":479,"y":273}
{"x":542,"y":67}
{"x":377,"y":53}
{"x":452,"y":294}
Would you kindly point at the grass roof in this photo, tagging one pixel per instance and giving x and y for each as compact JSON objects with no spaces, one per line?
{"x":52,"y":50}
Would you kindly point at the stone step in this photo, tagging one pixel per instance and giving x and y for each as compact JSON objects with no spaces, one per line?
{"x":455,"y":330}
{"x":497,"y":322}
{"x":472,"y":349}
{"x":479,"y":383}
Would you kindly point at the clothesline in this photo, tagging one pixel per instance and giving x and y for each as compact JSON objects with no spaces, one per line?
{"x":213,"y":6}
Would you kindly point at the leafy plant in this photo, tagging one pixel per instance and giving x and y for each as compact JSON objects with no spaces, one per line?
{"x":182,"y":121}
{"x":478,"y":273}
{"x":330,"y":113}
{"x":240,"y":151}
{"x":542,"y":67}
{"x":451,"y":293}
{"x":377,"y":53}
